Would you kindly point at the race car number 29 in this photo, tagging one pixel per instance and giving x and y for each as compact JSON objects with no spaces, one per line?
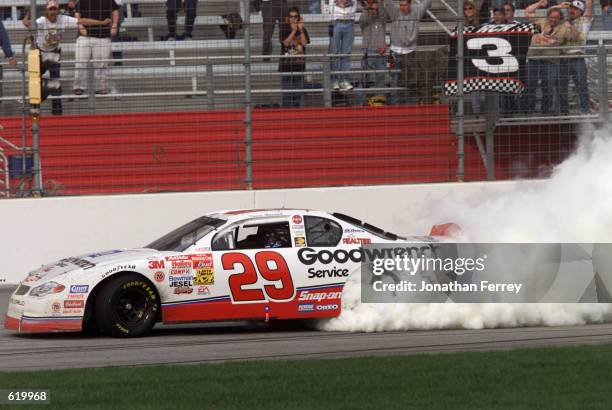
{"x":271,"y":266}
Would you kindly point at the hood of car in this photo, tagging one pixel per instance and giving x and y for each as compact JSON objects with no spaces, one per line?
{"x":86,"y":262}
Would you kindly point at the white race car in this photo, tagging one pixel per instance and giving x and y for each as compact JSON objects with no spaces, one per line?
{"x":247,"y":264}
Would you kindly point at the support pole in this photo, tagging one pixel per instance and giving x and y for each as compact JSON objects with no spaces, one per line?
{"x":35,"y":115}
{"x":461,"y":99}
{"x":602,"y":60}
{"x":248,"y":138}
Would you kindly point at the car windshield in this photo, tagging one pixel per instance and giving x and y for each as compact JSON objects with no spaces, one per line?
{"x":187,"y":235}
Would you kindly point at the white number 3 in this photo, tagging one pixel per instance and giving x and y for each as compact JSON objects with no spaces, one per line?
{"x":502,"y":50}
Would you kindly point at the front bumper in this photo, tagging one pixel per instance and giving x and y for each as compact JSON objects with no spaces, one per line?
{"x":43,"y":324}
{"x":33,"y":315}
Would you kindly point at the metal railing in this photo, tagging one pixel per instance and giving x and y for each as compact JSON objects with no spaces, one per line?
{"x":168,"y":77}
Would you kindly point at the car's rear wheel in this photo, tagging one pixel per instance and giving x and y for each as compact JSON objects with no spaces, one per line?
{"x":126,"y":306}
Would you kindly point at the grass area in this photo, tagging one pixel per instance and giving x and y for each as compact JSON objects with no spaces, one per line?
{"x":547,"y":378}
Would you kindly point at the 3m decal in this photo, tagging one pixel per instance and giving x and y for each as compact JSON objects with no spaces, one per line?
{"x":154,"y":265}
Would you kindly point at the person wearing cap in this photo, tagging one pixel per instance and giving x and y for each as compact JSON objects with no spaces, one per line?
{"x":573,"y":66}
{"x":50,"y":31}
{"x":95,"y":43}
{"x":543,"y":56}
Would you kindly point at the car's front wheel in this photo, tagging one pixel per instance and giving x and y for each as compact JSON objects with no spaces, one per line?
{"x":126,"y":306}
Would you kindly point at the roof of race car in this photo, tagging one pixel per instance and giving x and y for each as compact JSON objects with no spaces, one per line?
{"x":238,"y":214}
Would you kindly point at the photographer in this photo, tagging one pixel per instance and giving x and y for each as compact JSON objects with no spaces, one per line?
{"x":373,"y":28}
{"x":294,"y":38}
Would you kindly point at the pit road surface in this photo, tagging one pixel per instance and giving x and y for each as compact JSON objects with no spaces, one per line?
{"x":246,"y":341}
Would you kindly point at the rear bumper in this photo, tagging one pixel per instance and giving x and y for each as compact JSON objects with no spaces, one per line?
{"x":43,"y":324}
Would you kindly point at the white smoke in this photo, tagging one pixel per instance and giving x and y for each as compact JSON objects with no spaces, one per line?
{"x":574,"y":205}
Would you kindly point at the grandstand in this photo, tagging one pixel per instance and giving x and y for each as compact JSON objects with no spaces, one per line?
{"x":175,"y":120}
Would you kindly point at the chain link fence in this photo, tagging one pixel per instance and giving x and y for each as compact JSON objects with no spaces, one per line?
{"x":227,"y":103}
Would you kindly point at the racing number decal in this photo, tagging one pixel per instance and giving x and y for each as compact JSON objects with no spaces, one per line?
{"x":238,"y":280}
{"x":271,"y":266}
{"x":280,"y":273}
{"x":502,"y":51}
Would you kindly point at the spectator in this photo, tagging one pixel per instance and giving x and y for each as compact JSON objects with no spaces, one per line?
{"x":172,"y":9}
{"x":8,"y":51}
{"x":606,"y":14}
{"x":50,"y":31}
{"x":95,"y":43}
{"x":581,"y":18}
{"x":294,"y":38}
{"x":314,"y":6}
{"x":271,"y":12}
{"x":484,"y":12}
{"x":70,"y":9}
{"x":509,"y":11}
{"x":373,"y":27}
{"x":342,"y":39}
{"x":499,"y":17}
{"x":545,"y":71}
{"x":471,"y":19}
{"x":404,"y":34}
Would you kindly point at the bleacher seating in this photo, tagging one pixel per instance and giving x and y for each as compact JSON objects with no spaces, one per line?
{"x":167,"y":142}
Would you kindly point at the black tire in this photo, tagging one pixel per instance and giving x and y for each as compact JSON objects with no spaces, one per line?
{"x":126,"y":306}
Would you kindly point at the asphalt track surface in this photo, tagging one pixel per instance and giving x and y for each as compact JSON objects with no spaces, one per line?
{"x":221,"y":342}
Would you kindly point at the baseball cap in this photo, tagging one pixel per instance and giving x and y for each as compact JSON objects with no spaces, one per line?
{"x":578,"y":4}
{"x":52,"y":3}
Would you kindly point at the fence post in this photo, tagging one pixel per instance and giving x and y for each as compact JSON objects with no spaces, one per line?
{"x":210,"y":86}
{"x":248,"y":137}
{"x":602,"y":57}
{"x":91,"y":88}
{"x":35,"y":116}
{"x":461,"y":99}
{"x":327,"y":96}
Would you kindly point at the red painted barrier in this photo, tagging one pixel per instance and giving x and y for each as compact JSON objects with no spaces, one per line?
{"x":150,"y":152}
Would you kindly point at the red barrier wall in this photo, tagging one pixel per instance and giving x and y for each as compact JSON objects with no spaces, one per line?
{"x":152,"y":152}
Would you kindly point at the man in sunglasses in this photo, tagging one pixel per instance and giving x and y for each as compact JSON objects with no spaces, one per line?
{"x":51,"y":28}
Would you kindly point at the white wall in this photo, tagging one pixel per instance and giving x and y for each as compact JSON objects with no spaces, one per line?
{"x":38,"y":231}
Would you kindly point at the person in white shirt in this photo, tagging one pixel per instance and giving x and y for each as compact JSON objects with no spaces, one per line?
{"x":342,"y":33}
{"x":50,"y":31}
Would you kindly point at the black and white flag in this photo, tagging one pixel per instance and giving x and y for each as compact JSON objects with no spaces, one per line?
{"x":495,"y":58}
